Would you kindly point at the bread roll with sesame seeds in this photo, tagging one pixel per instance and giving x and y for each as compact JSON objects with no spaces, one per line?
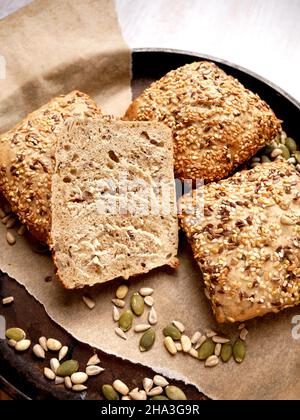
{"x":247,"y":242}
{"x":217,"y":123}
{"x":27,"y":158}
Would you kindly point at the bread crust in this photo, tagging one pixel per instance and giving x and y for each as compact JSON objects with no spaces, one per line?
{"x":217,"y":123}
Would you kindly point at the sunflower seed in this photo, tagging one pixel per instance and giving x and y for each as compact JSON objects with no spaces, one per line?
{"x":276,"y":153}
{"x":67,"y":368}
{"x":147,"y":384}
{"x":138,"y":395}
{"x":179,"y":325}
{"x":186,"y":343}
{"x":222,"y":340}
{"x":178,"y":346}
{"x":218,"y":349}
{"x":226,"y":352}
{"x":206,"y":350}
{"x":2,"y":213}
{"x":54,"y":365}
{"x":53,"y":345}
{"x":172,"y":331}
{"x":239,"y":351}
{"x":49,"y":374}
{"x":149,"y":301}
{"x":120,"y":387}
{"x":147,"y":340}
{"x":16,"y":334}
{"x":174,"y":393}
{"x":11,"y":223}
{"x":122,"y":291}
{"x":93,"y":370}
{"x":79,"y":378}
{"x":94,"y":360}
{"x":43,"y":343}
{"x":116,"y":314}
{"x":142,"y":328}
{"x":6,"y":218}
{"x":137,"y":304}
{"x":200,"y":342}
{"x":126,"y":398}
{"x":155,"y":391}
{"x":12,"y":343}
{"x":10,"y":237}
{"x":68,"y":382}
{"x":8,"y":300}
{"x":212,"y":361}
{"x":118,"y":302}
{"x":22,"y":345}
{"x":194,"y":353}
{"x":89,"y":302}
{"x":243,"y":334}
{"x":152,"y":318}
{"x":146,"y":291}
{"x":125,"y":321}
{"x":210,"y":333}
{"x":63,"y":352}
{"x":196,"y":337}
{"x":241,"y":327}
{"x":120,"y":333}
{"x":170,"y":345}
{"x":22,"y":230}
{"x":59,"y":380}
{"x":159,"y":380}
{"x":79,"y":388}
{"x":39,"y":352}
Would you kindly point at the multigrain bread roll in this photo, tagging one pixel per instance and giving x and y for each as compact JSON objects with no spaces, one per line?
{"x":217,"y":123}
{"x":108,"y":216}
{"x":247,"y":240}
{"x":27,"y":158}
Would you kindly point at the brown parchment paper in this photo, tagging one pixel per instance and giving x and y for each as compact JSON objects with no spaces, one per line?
{"x":272,"y":366}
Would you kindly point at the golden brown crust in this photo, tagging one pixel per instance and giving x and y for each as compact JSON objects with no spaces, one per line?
{"x":246,"y":240}
{"x":217,"y":124}
{"x":27,"y":158}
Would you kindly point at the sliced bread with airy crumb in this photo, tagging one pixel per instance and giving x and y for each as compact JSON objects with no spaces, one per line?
{"x":113,"y":202}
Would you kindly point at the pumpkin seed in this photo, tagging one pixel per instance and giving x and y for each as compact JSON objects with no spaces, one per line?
{"x":120,"y":333}
{"x":116,"y":314}
{"x":53,"y":345}
{"x":147,"y":340}
{"x":120,"y":387}
{"x":149,"y":301}
{"x":67,"y":368}
{"x":170,"y":345}
{"x":12,"y":343}
{"x":159,"y":398}
{"x":68,"y":382}
{"x":38,"y":351}
{"x":265,"y":159}
{"x":196,"y":337}
{"x":122,"y":291}
{"x":285,"y":151}
{"x":22,"y":345}
{"x":147,"y":384}
{"x":94,"y":360}
{"x":291,"y":144}
{"x":186,"y":343}
{"x":59,"y":380}
{"x":142,"y":328}
{"x":54,"y":365}
{"x":179,"y":325}
{"x":159,"y":380}
{"x":212,"y":361}
{"x":109,"y":393}
{"x":174,"y":393}
{"x":172,"y":331}
{"x":152,"y":318}
{"x":8,"y":300}
{"x":206,"y":350}
{"x":79,"y":378}
{"x":125,"y":321}
{"x":79,"y":388}
{"x":155,"y":391}
{"x":297,"y":156}
{"x":226,"y":352}
{"x":94,"y":370}
{"x":137,"y":304}
{"x":239,"y":351}
{"x":63,"y":352}
{"x":118,"y":302}
{"x":89,"y":302}
{"x":43,"y":343}
{"x":146,"y":291}
{"x":16,"y":334}
{"x":49,"y":374}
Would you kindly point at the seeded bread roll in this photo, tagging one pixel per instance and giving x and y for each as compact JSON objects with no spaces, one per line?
{"x":101,"y":226}
{"x":217,"y":124}
{"x":27,"y":158}
{"x":247,"y":243}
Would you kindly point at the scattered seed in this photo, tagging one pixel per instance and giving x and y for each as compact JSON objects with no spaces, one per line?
{"x":89,"y":302}
{"x":239,"y":351}
{"x":126,"y":398}
{"x":149,"y":301}
{"x":63,"y":352}
{"x":142,"y":328}
{"x":152,"y":318}
{"x":147,"y":384}
{"x":79,"y":388}
{"x":297,"y":156}
{"x":265,"y":159}
{"x":68,"y":382}
{"x":155,"y":391}
{"x":120,"y":387}
{"x":159,"y":380}
{"x":79,"y":378}
{"x":218,"y":349}
{"x":122,"y":291}
{"x":179,"y":325}
{"x":22,"y":345}
{"x":170,"y":345}
{"x":285,"y":151}
{"x":126,"y":320}
{"x":11,"y":223}
{"x":121,"y":333}
{"x":49,"y":374}
{"x":59,"y":380}
{"x":212,"y":361}
{"x":186,"y":343}
{"x":243,"y":334}
{"x":12,"y":343}
{"x":2,"y":213}
{"x":147,"y":340}
{"x":226,"y":352}
{"x":200,"y":342}
{"x":109,"y":393}
{"x":38,"y":351}
{"x":178,"y":346}
{"x":172,"y":331}
{"x":193,"y":352}
{"x":54,"y":365}
{"x":174,"y":393}
{"x":222,"y":340}
{"x":291,"y":144}
{"x":10,"y":237}
{"x":94,"y":360}
{"x":6,"y":218}
{"x":22,"y":230}
{"x":43,"y":343}
{"x":137,"y":304}
{"x":138,"y":395}
{"x":196,"y":337}
{"x":118,"y":302}
{"x":116,"y":314}
{"x":53,"y":345}
{"x":16,"y":334}
{"x":276,"y":153}
{"x":8,"y":300}
{"x":67,"y":368}
{"x":241,"y":327}
{"x":206,"y":350}
{"x":93,"y":370}
{"x":211,"y":333}
{"x":146,"y":291}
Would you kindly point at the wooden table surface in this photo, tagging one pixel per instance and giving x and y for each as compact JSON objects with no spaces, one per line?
{"x":262,"y":35}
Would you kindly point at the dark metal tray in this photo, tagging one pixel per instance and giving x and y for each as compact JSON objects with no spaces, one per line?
{"x":21,"y":375}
